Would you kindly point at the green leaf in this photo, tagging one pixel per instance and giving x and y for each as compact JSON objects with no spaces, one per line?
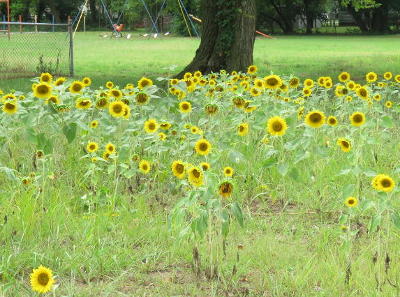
{"x":348,"y":190}
{"x":343,"y":219}
{"x":283,"y":169}
{"x":375,"y":222}
{"x":295,"y":174}
{"x":387,"y":122}
{"x":270,"y":162}
{"x":237,"y":213}
{"x":70,"y":131}
{"x":396,"y":219}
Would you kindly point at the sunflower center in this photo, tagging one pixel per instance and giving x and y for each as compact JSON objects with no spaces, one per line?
{"x":241,"y":128}
{"x":152,"y":126}
{"x":42,"y":89}
{"x":277,"y":126}
{"x":357,"y":118}
{"x":144,"y":167}
{"x":9,"y":106}
{"x":117,"y":108}
{"x":43,"y":279}
{"x":77,"y":87}
{"x":363,"y":92}
{"x":315,"y":118}
{"x":345,"y":144}
{"x":350,"y":201}
{"x":196,"y":173}
{"x":203,"y":146}
{"x":179,"y":168}
{"x":386,"y":183}
{"x":272,"y":81}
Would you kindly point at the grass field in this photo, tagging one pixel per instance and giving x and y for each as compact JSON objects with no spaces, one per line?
{"x":108,"y":228}
{"x":125,"y":61}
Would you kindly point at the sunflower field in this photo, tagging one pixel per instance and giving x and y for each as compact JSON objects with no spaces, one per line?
{"x":298,"y":178}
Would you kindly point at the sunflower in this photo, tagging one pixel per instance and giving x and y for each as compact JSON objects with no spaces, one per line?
{"x":362,"y":92}
{"x":383,"y":182}
{"x":76,"y":87}
{"x":116,"y":109}
{"x":371,"y":77}
{"x":106,"y":156}
{"x":228,"y":171}
{"x":60,"y":81}
{"x":294,"y":82}
{"x":102,"y":103}
{"x":387,"y":75}
{"x":10,"y":107}
{"x":162,"y":136}
{"x":344,"y":144}
{"x":349,"y":98}
{"x":144,"y":82}
{"x":187,"y":75}
{"x":243,"y":129}
{"x":151,"y":126}
{"x":46,"y":78}
{"x":397,"y":78}
{"x":185,"y":107}
{"x":351,"y":85}
{"x":144,"y":166}
{"x":178,"y":169}
{"x":203,"y":147}
{"x":205,"y":166}
{"x":259,"y":84}
{"x":126,"y":112}
{"x":83,"y":103}
{"x":197,"y":73}
{"x":117,"y":94}
{"x":351,"y":202}
{"x":332,"y":121}
{"x":309,"y":83}
{"x":328,"y":83}
{"x":195,"y":176}
{"x":225,"y":189}
{"x":87,"y":81}
{"x":94,"y":124}
{"x":142,"y":98}
{"x":165,"y":126}
{"x":195,"y":130}
{"x":8,"y":97}
{"x":42,"y":279}
{"x":389,"y":104}
{"x":129,"y":86}
{"x":344,"y":76}
{"x":53,"y":99}
{"x":307,"y":92}
{"x":255,"y":92}
{"x":321,"y":81}
{"x":276,"y":126}
{"x":238,"y":102}
{"x":110,"y":148}
{"x":357,"y":119}
{"x":92,"y":147}
{"x":315,"y":119}
{"x":109,"y":85}
{"x":42,"y":90}
{"x":272,"y":82}
{"x":377,"y":97}
{"x":211,"y":109}
{"x":252,"y":69}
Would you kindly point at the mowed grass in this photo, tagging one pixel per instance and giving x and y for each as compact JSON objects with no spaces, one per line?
{"x":123,"y":61}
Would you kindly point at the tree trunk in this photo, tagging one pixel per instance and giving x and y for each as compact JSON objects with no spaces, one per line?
{"x":228,"y":34}
{"x":93,"y":11}
{"x":380,"y":19}
{"x":358,"y":17}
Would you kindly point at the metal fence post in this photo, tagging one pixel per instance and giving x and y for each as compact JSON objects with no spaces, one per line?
{"x":71,"y":48}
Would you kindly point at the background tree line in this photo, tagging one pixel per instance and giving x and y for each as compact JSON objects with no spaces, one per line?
{"x":273,"y":16}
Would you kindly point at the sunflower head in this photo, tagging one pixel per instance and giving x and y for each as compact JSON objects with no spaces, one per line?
{"x":357,"y":119}
{"x":294,"y":82}
{"x":151,"y":126}
{"x":46,"y":78}
{"x":87,"y":81}
{"x":273,"y":81}
{"x":344,"y":76}
{"x":211,"y":109}
{"x":10,"y":107}
{"x":225,"y":189}
{"x":203,"y":147}
{"x":178,"y":169}
{"x":76,"y":87}
{"x":371,"y":77}
{"x":205,"y":166}
{"x":117,"y":94}
{"x":243,"y":129}
{"x":387,"y":75}
{"x":142,"y":98}
{"x":117,"y":109}
{"x":144,"y":166}
{"x":144,"y":82}
{"x":383,"y":182}
{"x":351,"y":201}
{"x":315,"y":119}
{"x":110,"y":148}
{"x":344,"y":144}
{"x":228,"y":171}
{"x":185,"y":107}
{"x":276,"y":126}
{"x":195,"y":176}
{"x":42,"y":90}
{"x":252,"y":69}
{"x":92,"y":147}
{"x":42,"y":279}
{"x":94,"y":124}
{"x":332,"y":121}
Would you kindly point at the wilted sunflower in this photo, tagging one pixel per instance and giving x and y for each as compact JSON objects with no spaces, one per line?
{"x":151,"y":126}
{"x":142,"y":98}
{"x":225,"y":189}
{"x":383,"y":182}
{"x":387,"y":75}
{"x":228,"y":171}
{"x":83,"y":103}
{"x":117,"y":94}
{"x":87,"y":81}
{"x":357,"y":119}
{"x":116,"y":109}
{"x":94,"y":124}
{"x":389,"y":104}
{"x":144,"y":82}
{"x":371,"y":77}
{"x":10,"y":107}
{"x":46,"y":78}
{"x":332,"y":121}
{"x":203,"y":147}
{"x":315,"y":119}
{"x":243,"y":129}
{"x":344,"y":76}
{"x":92,"y":147}
{"x":185,"y":107}
{"x":110,"y":148}
{"x":211,"y":109}
{"x":276,"y":126}
{"x":351,"y":202}
{"x":195,"y":176}
{"x":144,"y":166}
{"x":42,"y":90}
{"x":178,"y":169}
{"x":272,"y":82}
{"x":239,"y":102}
{"x":42,"y":279}
{"x":344,"y":144}
{"x":76,"y":87}
{"x":252,"y":69}
{"x":205,"y":166}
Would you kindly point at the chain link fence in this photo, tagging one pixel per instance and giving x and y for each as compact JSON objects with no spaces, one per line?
{"x":33,"y":48}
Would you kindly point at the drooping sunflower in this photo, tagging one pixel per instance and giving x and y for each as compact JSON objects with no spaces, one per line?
{"x":42,"y":279}
{"x":387,"y":75}
{"x":83,"y":103}
{"x":203,"y":147}
{"x":205,"y":166}
{"x":142,"y":98}
{"x":332,"y":121}
{"x":87,"y":81}
{"x":42,"y":90}
{"x":178,"y":169}
{"x":315,"y":119}
{"x":102,"y":103}
{"x":144,"y":82}
{"x":195,"y":176}
{"x":92,"y":147}
{"x":110,"y":148}
{"x":144,"y":166}
{"x":351,"y":201}
{"x":294,"y":82}
{"x":151,"y":126}
{"x":185,"y":107}
{"x":272,"y":82}
{"x":46,"y":78}
{"x":53,"y":99}
{"x":344,"y":144}
{"x":243,"y":129}
{"x":116,"y":109}
{"x":371,"y":77}
{"x":117,"y":94}
{"x":276,"y":126}
{"x":344,"y":76}
{"x":357,"y":119}
{"x":383,"y":182}
{"x":211,"y":109}
{"x":255,"y":92}
{"x":252,"y":69}
{"x":225,"y":189}
{"x":60,"y":81}
{"x":238,"y":102}
{"x":228,"y":171}
{"x":76,"y":87}
{"x":10,"y":107}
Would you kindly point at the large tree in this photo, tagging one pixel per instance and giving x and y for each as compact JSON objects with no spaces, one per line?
{"x":227,"y":36}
